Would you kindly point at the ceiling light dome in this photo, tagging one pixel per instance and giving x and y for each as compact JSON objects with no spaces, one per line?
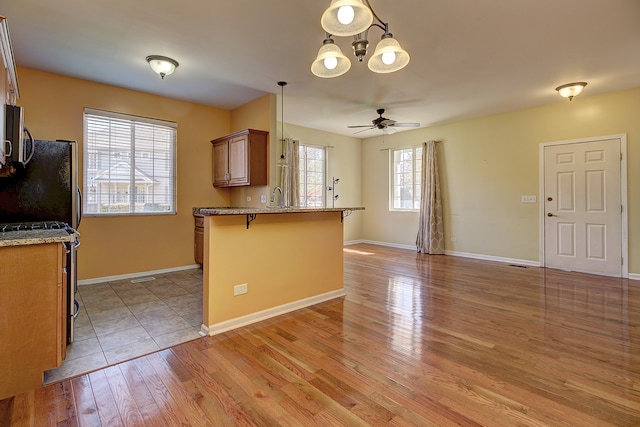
{"x":388,"y":56}
{"x":162,"y":65}
{"x":330,"y":61}
{"x":346,"y":18}
{"x":571,"y":89}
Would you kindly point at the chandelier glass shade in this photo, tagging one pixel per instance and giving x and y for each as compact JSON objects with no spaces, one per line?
{"x":388,"y":56}
{"x":330,"y":62}
{"x":346,"y":18}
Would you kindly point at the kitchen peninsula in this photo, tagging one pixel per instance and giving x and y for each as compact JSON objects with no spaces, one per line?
{"x":262,"y":262}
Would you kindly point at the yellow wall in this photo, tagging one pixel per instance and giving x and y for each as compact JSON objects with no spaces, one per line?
{"x":237,"y":255}
{"x":487,"y":164}
{"x":125,"y":245}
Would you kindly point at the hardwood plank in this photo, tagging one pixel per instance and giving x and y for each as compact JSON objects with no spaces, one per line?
{"x":85,"y":404}
{"x":418,"y":340}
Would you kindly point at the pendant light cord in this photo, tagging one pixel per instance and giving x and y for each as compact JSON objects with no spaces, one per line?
{"x":282,"y":85}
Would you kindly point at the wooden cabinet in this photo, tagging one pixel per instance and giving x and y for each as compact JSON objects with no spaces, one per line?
{"x":198,"y":239}
{"x":32,"y":315}
{"x":240,"y":159}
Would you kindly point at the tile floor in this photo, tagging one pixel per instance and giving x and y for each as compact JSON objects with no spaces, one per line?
{"x":124,"y":319}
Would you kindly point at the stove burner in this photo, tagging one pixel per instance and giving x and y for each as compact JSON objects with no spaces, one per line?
{"x":41,"y":225}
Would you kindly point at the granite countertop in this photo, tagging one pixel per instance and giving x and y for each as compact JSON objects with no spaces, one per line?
{"x":36,"y":237}
{"x":224,"y":210}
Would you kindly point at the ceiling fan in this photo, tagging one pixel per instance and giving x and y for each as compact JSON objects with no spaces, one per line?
{"x":385,"y":125}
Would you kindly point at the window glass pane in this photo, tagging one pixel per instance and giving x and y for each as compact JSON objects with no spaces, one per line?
{"x":406,"y":174}
{"x":130,"y":167}
{"x":312,"y":175}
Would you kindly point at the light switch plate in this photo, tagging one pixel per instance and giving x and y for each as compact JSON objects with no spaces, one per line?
{"x":528,"y":199}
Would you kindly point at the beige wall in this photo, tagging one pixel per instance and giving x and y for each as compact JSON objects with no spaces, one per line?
{"x":125,"y":245}
{"x":487,"y":164}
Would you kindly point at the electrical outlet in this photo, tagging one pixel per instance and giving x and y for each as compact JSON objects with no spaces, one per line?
{"x":263,"y":198}
{"x":240,"y":289}
{"x":528,"y":199}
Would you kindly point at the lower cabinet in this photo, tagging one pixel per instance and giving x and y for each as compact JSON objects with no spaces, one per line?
{"x":198,"y":239}
{"x":32,"y":315}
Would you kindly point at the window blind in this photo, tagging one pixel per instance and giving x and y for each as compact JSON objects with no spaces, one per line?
{"x":129,"y":164}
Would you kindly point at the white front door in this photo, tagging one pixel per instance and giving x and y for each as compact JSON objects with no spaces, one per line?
{"x":582,"y":201}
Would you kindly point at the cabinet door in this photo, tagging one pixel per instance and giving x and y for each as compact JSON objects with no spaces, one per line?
{"x":221,"y":164}
{"x":31,"y":284}
{"x":239,"y":160}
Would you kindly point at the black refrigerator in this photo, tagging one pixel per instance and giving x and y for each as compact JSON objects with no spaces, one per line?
{"x":44,"y":193}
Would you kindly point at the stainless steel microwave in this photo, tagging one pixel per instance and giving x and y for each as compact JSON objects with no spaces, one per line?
{"x":18,"y":139}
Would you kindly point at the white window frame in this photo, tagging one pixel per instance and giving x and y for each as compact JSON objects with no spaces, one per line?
{"x":106,"y":194}
{"x":302,"y":178}
{"x":410,"y":171}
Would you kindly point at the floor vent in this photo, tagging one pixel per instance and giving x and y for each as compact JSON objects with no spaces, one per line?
{"x":519,"y":266}
{"x":143,"y":279}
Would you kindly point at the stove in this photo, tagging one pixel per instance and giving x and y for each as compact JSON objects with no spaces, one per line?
{"x":38,"y":225}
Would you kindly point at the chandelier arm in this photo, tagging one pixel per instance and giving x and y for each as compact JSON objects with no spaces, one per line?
{"x":385,"y":24}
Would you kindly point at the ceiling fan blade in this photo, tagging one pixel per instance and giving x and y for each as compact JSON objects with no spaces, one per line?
{"x":363,"y":130}
{"x":406,"y":125}
{"x":361,"y":126}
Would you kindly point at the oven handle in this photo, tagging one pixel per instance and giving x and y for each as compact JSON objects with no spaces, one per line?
{"x":76,"y":306}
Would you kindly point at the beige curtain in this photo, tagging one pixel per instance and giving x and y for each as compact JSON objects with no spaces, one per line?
{"x":289,"y":174}
{"x":430,"y":229}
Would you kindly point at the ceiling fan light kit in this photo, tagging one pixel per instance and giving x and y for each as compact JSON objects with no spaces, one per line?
{"x":571,"y":89}
{"x":355,"y":18}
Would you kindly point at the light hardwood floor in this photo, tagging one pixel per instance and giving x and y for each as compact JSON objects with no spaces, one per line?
{"x":418,"y":340}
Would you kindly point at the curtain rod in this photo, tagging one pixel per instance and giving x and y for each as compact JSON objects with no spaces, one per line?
{"x":412,"y":146}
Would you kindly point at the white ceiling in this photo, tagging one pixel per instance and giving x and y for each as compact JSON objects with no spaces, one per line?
{"x":469,"y":58}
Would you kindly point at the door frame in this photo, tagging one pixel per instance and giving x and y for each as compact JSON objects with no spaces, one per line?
{"x":624,"y":238}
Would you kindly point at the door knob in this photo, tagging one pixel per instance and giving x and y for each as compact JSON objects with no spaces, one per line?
{"x":550,"y":214}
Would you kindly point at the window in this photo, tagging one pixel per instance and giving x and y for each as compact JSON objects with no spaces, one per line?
{"x":406,"y":171}
{"x":312,"y":166}
{"x":130,"y":165}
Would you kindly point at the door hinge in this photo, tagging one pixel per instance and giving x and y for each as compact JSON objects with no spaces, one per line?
{"x":621,"y":261}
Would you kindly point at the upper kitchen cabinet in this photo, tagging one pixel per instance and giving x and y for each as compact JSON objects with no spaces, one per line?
{"x":240,"y":159}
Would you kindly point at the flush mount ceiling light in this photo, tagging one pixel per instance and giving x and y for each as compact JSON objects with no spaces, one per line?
{"x":162,"y":65}
{"x":571,"y":89}
{"x":355,"y":18}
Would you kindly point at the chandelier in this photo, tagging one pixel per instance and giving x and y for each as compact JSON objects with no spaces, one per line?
{"x":355,"y":18}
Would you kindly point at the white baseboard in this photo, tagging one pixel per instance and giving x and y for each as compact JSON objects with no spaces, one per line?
{"x":494,"y":258}
{"x":134,"y":275}
{"x":461,"y":254}
{"x":238,"y":322}
{"x":391,"y":245}
{"x":633,"y":276}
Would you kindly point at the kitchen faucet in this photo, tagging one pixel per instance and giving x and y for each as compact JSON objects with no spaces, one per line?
{"x":273,"y":195}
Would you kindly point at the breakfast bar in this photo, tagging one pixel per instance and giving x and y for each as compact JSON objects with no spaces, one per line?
{"x":262,"y":262}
